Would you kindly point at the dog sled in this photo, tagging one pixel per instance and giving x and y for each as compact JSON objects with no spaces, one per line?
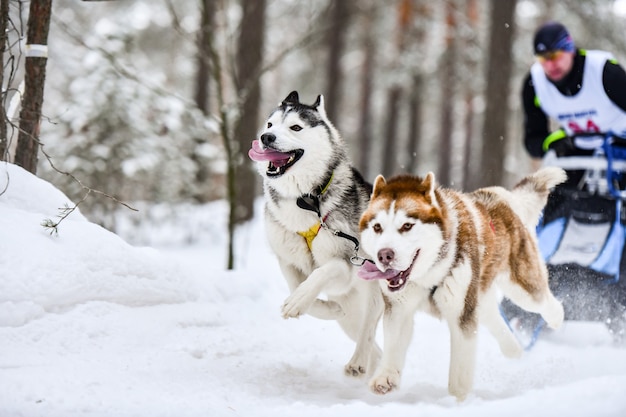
{"x":581,"y":237}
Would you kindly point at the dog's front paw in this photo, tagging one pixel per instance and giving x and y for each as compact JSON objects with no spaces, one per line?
{"x":297,"y":304}
{"x":365,"y":358}
{"x":385,"y":381}
{"x":459,"y":392}
{"x":355,"y":370}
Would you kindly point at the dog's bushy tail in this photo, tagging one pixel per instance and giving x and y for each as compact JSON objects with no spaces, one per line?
{"x":532,"y":193}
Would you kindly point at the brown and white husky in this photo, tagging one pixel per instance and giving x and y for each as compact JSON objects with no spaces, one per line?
{"x":447,"y":253}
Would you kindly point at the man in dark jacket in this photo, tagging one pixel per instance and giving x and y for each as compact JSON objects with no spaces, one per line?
{"x":583,"y":93}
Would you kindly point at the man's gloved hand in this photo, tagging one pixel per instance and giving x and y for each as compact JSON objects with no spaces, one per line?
{"x":559,"y":142}
{"x":563,"y":146}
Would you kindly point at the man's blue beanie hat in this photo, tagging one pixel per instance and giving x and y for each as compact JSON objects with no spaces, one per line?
{"x":553,"y":36}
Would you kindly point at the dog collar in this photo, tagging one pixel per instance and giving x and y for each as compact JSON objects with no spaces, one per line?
{"x":311,"y":201}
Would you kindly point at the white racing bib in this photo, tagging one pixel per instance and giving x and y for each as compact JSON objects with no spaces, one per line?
{"x":588,"y":111}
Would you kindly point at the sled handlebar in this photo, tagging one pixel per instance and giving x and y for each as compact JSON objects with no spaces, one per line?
{"x":608,"y":162}
{"x":571,"y":163}
{"x":603,"y":158}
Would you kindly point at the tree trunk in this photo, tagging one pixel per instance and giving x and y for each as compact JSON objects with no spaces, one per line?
{"x":207,"y":11}
{"x":391,"y":164}
{"x":471,"y":62}
{"x":4,"y":17}
{"x":35,"y":76}
{"x":423,"y":15}
{"x":447,"y":97}
{"x":249,"y":63}
{"x":203,"y":77}
{"x":365,"y":126}
{"x":340,"y":16}
{"x":390,"y":161}
{"x":499,"y":67}
{"x":415,"y":121}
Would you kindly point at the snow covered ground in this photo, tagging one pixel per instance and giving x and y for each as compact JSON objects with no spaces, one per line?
{"x":92,"y":326}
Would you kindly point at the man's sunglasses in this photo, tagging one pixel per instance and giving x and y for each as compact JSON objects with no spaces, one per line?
{"x":550,"y":55}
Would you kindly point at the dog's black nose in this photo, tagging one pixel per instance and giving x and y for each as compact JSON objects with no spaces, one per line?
{"x":268,"y":138}
{"x":385,"y":256}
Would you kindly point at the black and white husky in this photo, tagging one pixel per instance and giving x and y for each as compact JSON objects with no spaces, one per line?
{"x":314,"y":199}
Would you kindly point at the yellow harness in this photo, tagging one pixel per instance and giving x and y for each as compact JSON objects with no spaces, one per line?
{"x":311,"y":232}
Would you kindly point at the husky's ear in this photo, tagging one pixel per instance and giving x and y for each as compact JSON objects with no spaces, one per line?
{"x":379,"y":183}
{"x":430,"y":185}
{"x":292,"y":98}
{"x":319,"y":106}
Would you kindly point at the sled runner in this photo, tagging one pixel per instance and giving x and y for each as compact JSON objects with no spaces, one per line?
{"x":581,"y":237}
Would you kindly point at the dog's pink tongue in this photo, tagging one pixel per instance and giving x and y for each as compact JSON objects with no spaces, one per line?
{"x":369,"y":271}
{"x":256,"y":153}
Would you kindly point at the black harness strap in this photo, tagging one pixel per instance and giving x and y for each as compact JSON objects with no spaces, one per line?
{"x":311,"y":202}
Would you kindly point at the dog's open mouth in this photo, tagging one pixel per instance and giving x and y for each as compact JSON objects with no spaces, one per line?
{"x":396,"y":280}
{"x":278,"y":162}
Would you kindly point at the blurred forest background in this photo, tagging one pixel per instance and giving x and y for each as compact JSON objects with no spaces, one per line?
{"x":156,"y":102}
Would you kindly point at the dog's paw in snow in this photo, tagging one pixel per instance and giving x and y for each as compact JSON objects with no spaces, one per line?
{"x":385,"y":381}
{"x":355,"y":370}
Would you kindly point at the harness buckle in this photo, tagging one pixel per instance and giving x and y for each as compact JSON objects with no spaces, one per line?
{"x":357,"y":260}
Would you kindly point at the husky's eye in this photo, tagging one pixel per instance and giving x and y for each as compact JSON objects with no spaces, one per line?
{"x":296,"y":128}
{"x":377,"y":228}
{"x":269,"y":124}
{"x":406,"y":227}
